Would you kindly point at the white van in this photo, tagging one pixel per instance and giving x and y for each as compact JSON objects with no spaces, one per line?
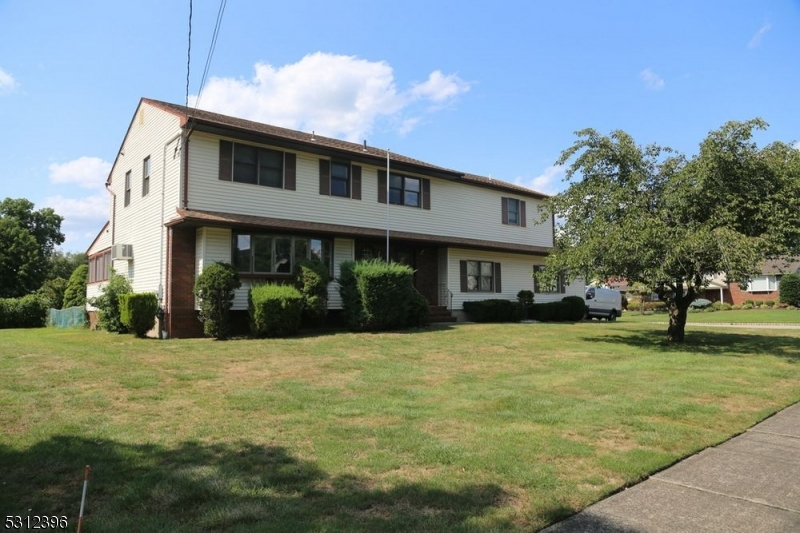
{"x":603,"y":303}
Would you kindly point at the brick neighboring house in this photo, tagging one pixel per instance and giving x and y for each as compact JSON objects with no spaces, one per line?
{"x":190,"y":187}
{"x":760,"y":289}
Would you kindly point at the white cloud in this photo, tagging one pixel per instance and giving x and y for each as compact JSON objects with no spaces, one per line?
{"x":334,"y":95}
{"x":440,"y":88}
{"x":83,"y":218}
{"x":7,"y":82}
{"x":86,"y":172}
{"x":651,"y":80}
{"x":756,"y":39}
{"x":548,"y":182}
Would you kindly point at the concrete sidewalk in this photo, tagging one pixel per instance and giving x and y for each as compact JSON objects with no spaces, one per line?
{"x":750,"y":483}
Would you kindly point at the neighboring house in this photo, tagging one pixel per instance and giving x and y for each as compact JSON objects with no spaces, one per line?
{"x":761,"y":288}
{"x":190,"y":187}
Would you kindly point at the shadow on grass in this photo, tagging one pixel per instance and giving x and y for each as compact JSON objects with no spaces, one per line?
{"x":709,"y":343}
{"x":221,"y":487}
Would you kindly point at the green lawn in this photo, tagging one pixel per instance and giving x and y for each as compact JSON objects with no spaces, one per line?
{"x":739,"y":316}
{"x":463,"y":428}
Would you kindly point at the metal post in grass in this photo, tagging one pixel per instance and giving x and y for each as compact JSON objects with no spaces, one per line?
{"x":83,"y":496}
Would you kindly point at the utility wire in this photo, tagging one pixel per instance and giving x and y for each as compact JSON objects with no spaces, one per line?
{"x":189,"y":54}
{"x":212,"y":47}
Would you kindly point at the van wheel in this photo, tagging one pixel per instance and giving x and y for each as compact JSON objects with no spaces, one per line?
{"x":612,"y":317}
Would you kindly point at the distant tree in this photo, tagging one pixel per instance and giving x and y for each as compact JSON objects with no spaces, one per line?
{"x":62,"y":264}
{"x":75,"y":293}
{"x":53,"y":291}
{"x":653,"y":217}
{"x":27,"y":240}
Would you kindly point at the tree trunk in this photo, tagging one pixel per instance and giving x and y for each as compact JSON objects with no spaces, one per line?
{"x":677,"y":321}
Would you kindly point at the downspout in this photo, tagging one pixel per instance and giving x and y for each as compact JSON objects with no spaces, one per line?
{"x":113,"y":210}
{"x":185,"y":199}
{"x":161,"y":245}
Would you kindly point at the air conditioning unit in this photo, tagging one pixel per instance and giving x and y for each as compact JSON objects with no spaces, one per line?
{"x":122,"y":251}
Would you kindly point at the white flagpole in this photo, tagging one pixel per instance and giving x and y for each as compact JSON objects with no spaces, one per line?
{"x":388,"y":178}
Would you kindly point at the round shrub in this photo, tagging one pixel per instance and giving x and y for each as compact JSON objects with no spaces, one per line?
{"x":275,"y":310}
{"x":215,"y":288}
{"x":138,"y":311}
{"x":790,"y":289}
{"x":770,"y":303}
{"x":577,"y":308}
{"x":312,"y":282}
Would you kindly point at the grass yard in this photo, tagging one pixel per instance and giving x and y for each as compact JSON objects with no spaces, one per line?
{"x":463,"y":428}
{"x":738,"y":316}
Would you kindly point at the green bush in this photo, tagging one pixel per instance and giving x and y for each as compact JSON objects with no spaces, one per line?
{"x":214,"y":289}
{"x":747,"y":306}
{"x":75,"y":293}
{"x":275,"y":310}
{"x":525,"y":298}
{"x":790,"y":289}
{"x":107,"y":304}
{"x":138,"y":311}
{"x":494,"y":311}
{"x":378,"y":296}
{"x":751,"y":303}
{"x":555,"y":312}
{"x":312,"y":282}
{"x":52,"y":291}
{"x":27,"y":312}
{"x":770,"y":303}
{"x":577,"y":308}
{"x":655,"y":306}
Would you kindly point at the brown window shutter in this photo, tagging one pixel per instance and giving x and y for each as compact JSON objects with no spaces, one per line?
{"x":463,"y":266}
{"x":226,"y":160}
{"x":382,"y":186}
{"x":522,"y":213}
{"x":504,"y":203}
{"x":356,"y":182}
{"x":325,"y":177}
{"x":498,"y":278}
{"x":426,"y":193}
{"x":290,"y":171}
{"x":535,"y":279}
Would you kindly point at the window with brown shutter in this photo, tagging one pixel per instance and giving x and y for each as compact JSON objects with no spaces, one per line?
{"x":290,"y":172}
{"x":382,"y":186}
{"x":244,"y":163}
{"x":480,"y":276}
{"x":324,"y":177}
{"x":356,"y":182}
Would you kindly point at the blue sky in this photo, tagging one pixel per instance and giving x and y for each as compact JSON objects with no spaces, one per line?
{"x":492,"y":88}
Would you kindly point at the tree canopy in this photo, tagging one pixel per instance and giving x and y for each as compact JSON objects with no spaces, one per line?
{"x":652,"y":216}
{"x":27,"y":241}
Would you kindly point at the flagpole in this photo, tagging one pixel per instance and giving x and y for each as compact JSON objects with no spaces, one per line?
{"x":388,"y":178}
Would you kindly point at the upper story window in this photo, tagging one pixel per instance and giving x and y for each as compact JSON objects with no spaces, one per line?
{"x":127,"y":188}
{"x":245,"y":163}
{"x":258,"y":253}
{"x":404,"y":190}
{"x":513,"y":211}
{"x":339,"y":178}
{"x":146,"y":176}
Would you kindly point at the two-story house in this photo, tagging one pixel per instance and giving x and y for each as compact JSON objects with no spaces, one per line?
{"x":191,"y":187}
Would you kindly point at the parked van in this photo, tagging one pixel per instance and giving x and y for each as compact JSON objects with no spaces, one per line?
{"x":603,"y":303}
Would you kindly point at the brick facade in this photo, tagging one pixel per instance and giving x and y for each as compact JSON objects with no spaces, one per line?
{"x":738,"y":296}
{"x":181,"y":316}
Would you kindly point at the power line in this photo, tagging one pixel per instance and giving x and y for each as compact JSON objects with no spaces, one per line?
{"x":189,"y":54}
{"x":212,"y":47}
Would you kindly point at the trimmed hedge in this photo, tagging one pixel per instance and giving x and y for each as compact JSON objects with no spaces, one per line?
{"x":790,"y":289}
{"x":570,"y":309}
{"x":312,"y":282}
{"x":495,"y":311}
{"x":214,"y":289}
{"x":379,"y":296}
{"x":27,"y":312}
{"x":275,"y":310}
{"x":138,"y":311}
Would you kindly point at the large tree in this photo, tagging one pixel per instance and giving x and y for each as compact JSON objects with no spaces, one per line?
{"x":27,"y":241}
{"x":652,"y":216}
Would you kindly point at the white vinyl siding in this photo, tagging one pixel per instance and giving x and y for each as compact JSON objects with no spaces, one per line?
{"x":140,"y":224}
{"x":457,"y":209}
{"x":516,"y":270}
